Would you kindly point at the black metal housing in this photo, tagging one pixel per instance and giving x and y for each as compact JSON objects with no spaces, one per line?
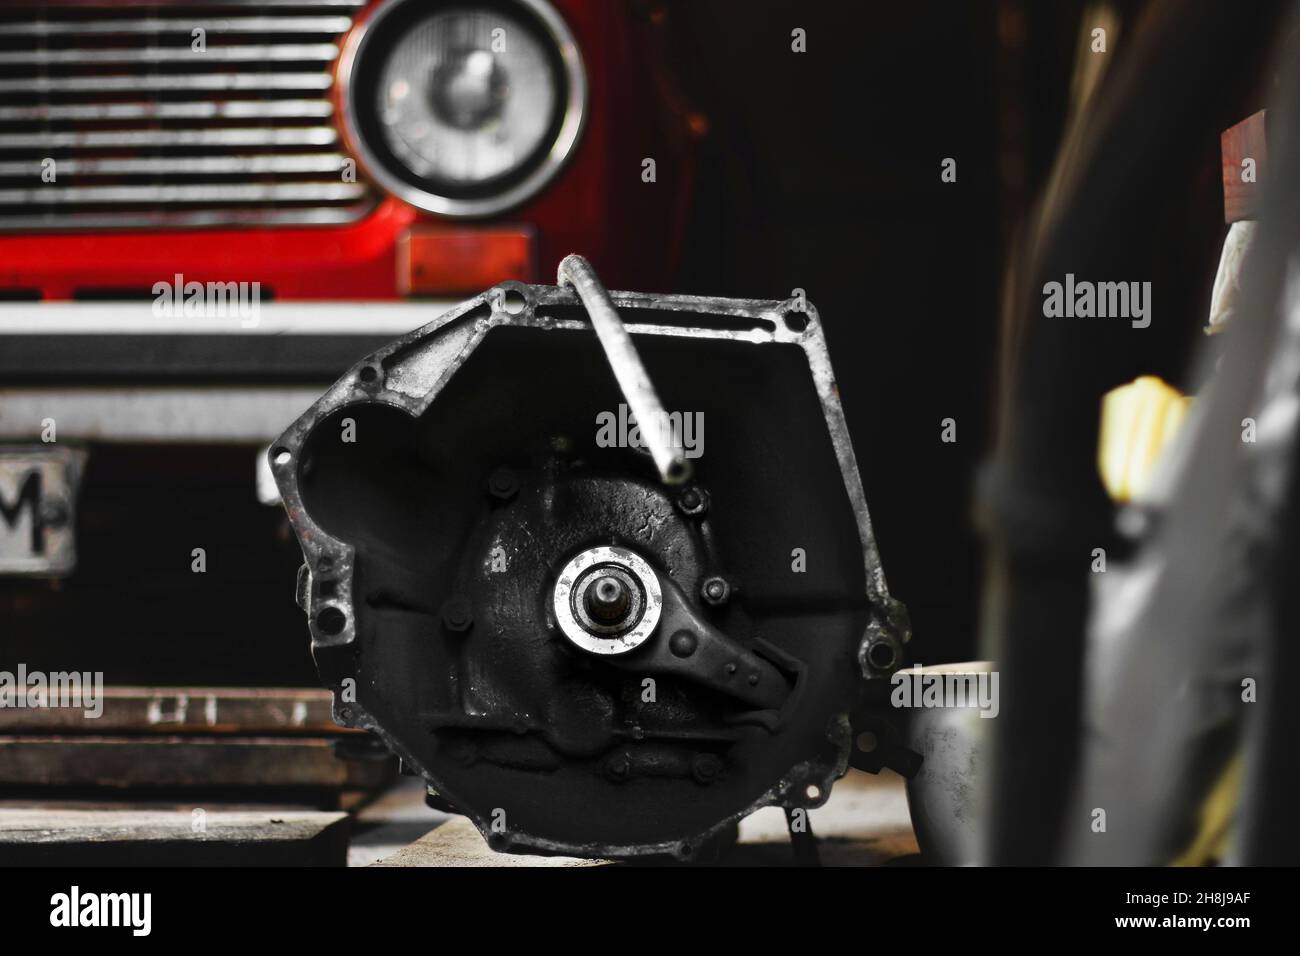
{"x":442,"y":483}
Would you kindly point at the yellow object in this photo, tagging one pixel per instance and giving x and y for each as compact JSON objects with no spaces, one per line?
{"x":1212,"y":842}
{"x":1138,"y":421}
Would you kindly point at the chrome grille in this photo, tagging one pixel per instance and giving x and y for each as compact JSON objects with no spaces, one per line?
{"x":144,"y":131}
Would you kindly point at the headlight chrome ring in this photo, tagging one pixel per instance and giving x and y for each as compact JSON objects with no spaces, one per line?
{"x":368,"y":48}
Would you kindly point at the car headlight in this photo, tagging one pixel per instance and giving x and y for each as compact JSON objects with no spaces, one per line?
{"x":463,"y":109}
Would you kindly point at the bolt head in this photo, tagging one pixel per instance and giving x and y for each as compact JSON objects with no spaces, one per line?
{"x":683,"y":643}
{"x":706,"y":767}
{"x":693,"y":501}
{"x":716,"y":590}
{"x":607,"y":599}
{"x":457,"y":614}
{"x":503,"y":484}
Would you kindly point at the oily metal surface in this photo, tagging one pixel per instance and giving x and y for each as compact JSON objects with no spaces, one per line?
{"x":409,"y":374}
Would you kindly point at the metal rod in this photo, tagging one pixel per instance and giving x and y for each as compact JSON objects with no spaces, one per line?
{"x":628,"y":369}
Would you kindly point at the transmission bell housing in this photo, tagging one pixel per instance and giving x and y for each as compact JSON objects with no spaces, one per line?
{"x":593,"y":636}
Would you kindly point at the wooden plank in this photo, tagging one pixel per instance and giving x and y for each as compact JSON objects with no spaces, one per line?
{"x":864,"y":823}
{"x":170,"y":761}
{"x":175,"y":710}
{"x":173,"y":837}
{"x":458,"y":843}
{"x":392,"y":821}
{"x":1248,"y":139}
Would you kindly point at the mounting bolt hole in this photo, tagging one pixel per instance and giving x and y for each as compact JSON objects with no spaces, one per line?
{"x":280,"y":457}
{"x":813,"y":792}
{"x":867,"y":741}
{"x":513,"y":302}
{"x":331,"y":620}
{"x":882,"y":655}
{"x":795,"y":321}
{"x":369,"y":374}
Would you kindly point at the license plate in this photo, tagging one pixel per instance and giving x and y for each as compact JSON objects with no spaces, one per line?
{"x":38,"y":492}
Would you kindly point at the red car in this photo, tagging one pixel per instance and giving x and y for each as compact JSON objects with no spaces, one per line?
{"x":333,"y":150}
{"x":208,"y":210}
